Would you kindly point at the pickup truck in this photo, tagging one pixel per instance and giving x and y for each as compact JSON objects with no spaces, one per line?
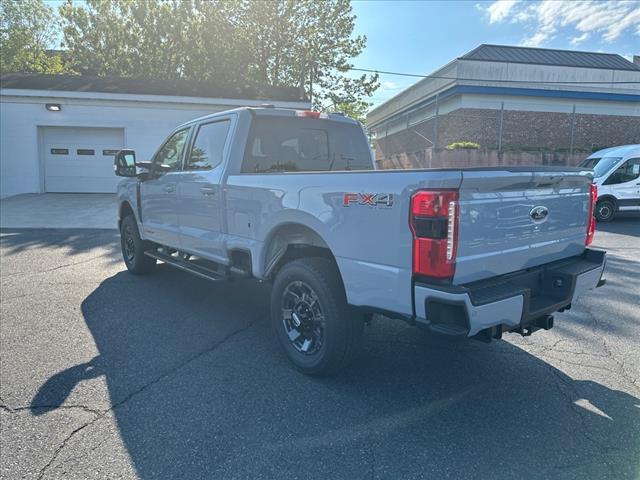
{"x":293,"y":198}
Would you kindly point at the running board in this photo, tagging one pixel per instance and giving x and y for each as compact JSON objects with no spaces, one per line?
{"x":187,"y":266}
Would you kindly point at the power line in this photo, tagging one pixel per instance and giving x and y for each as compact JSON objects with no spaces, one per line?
{"x":440,"y":77}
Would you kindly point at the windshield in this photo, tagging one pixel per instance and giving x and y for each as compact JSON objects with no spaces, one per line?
{"x":603,"y":165}
{"x":589,"y":162}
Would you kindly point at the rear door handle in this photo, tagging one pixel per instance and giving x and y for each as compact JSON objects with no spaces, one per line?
{"x":208,"y":191}
{"x":169,"y":188}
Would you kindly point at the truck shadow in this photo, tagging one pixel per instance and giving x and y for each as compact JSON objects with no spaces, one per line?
{"x":200,"y":389}
{"x":624,"y":224}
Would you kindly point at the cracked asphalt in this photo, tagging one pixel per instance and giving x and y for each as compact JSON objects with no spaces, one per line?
{"x":107,"y":375}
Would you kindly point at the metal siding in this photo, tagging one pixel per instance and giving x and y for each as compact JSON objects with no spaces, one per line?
{"x":541,"y":56}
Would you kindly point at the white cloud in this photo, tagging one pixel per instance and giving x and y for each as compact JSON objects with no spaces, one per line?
{"x":575,"y":41}
{"x":389,"y":85}
{"x":547,"y":19}
{"x":499,"y":10}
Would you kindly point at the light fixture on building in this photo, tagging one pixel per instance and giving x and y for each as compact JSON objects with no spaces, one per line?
{"x":53,"y":107}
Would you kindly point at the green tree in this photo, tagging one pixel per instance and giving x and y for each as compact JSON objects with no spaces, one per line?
{"x":308,"y":43}
{"x":296,"y":43}
{"x":27,"y":29}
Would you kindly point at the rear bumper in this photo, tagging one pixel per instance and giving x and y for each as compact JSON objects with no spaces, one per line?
{"x":519,"y":301}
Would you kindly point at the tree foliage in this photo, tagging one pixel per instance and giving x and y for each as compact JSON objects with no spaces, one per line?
{"x":279,"y":42}
{"x":27,"y":29}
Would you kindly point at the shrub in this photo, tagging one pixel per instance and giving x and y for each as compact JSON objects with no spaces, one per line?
{"x":463,"y":145}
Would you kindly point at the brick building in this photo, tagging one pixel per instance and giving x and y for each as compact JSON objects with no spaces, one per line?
{"x":521,"y":105}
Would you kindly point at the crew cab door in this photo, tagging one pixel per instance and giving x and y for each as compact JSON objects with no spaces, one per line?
{"x":199,"y":192}
{"x":158,"y":193}
{"x":624,"y":185}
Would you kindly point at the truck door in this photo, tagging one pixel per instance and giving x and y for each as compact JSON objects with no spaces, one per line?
{"x":624,"y":184}
{"x":199,"y":192}
{"x":158,"y":193}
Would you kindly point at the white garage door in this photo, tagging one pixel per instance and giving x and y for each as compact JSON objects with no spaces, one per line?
{"x":79,"y":159}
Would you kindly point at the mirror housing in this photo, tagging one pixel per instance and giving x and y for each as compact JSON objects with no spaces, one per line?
{"x":125,"y":163}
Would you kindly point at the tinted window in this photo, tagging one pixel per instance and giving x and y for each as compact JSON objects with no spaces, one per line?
{"x":208,"y":146}
{"x":625,"y":173}
{"x":85,"y":151}
{"x":171,"y":152}
{"x":59,"y":151}
{"x":304,"y":145}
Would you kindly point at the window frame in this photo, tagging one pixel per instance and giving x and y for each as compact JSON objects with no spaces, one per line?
{"x":192,"y":141}
{"x":189,"y":129}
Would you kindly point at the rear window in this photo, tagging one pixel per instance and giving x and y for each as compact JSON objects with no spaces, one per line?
{"x":304,"y":145}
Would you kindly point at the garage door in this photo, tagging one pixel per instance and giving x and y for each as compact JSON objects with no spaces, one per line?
{"x":78,"y":159}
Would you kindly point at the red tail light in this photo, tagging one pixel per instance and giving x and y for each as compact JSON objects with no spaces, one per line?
{"x":591,"y":220}
{"x":434,"y":223}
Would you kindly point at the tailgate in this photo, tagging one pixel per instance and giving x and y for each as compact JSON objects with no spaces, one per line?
{"x":512,"y":220}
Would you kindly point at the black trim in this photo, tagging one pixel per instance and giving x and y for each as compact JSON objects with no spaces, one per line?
{"x":545,"y":289}
{"x":628,"y":202}
{"x":430,"y":227}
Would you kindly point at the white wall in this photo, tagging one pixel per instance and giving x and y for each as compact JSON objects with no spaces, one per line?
{"x":146,"y":121}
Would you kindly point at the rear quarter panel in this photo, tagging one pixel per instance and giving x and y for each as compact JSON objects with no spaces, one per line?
{"x":371,"y":244}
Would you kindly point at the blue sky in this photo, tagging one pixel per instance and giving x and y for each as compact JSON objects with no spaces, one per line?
{"x":421,"y":36}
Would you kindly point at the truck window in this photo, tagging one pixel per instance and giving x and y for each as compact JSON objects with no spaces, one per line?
{"x":208,"y":146}
{"x":170,"y":155}
{"x":304,"y":145}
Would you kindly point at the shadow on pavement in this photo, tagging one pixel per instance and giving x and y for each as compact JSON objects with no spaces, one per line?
{"x":76,"y":241}
{"x":629,"y":224}
{"x":201,"y":390}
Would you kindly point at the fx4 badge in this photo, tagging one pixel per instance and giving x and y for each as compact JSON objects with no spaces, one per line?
{"x":370,"y":199}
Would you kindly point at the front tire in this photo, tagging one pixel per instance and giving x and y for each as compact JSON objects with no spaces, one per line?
{"x":605,"y":209}
{"x":319,"y":332}
{"x":133,"y":248}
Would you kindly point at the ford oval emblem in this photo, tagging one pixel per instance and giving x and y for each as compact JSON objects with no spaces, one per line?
{"x":539,"y":214}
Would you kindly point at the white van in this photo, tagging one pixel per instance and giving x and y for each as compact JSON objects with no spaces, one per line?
{"x":617,"y":175}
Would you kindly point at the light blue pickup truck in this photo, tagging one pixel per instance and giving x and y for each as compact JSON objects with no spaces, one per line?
{"x":293,"y":198}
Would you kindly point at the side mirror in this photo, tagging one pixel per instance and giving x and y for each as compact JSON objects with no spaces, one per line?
{"x":125,"y":163}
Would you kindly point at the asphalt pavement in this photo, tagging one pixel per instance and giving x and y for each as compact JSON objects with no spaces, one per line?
{"x":108,"y":375}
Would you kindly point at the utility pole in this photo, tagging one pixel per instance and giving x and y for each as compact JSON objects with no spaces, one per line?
{"x":312,"y":70}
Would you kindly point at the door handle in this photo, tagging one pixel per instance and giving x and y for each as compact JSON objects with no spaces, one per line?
{"x":208,"y":191}
{"x":169,"y":188}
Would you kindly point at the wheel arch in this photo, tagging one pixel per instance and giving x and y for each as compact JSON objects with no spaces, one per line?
{"x":609,"y":197}
{"x":292,"y":240}
{"x":124,"y":210}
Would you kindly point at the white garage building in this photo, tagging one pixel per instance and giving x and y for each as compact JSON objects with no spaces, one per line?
{"x":59,"y":133}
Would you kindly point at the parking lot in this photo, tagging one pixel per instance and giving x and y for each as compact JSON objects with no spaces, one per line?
{"x":107,"y":375}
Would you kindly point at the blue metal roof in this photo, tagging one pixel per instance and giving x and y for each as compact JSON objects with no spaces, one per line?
{"x":545,"y":56}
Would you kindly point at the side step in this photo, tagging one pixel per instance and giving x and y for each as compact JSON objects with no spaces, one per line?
{"x":187,"y":265}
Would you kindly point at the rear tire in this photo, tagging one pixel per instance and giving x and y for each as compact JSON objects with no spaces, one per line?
{"x":319,"y":332}
{"x":605,"y":210}
{"x":133,"y":248}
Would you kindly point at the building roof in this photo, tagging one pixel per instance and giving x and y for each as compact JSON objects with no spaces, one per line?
{"x":545,"y":56}
{"x":145,"y":86}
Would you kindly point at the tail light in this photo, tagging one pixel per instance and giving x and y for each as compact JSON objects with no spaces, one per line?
{"x":591,"y":219}
{"x":434,"y":223}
